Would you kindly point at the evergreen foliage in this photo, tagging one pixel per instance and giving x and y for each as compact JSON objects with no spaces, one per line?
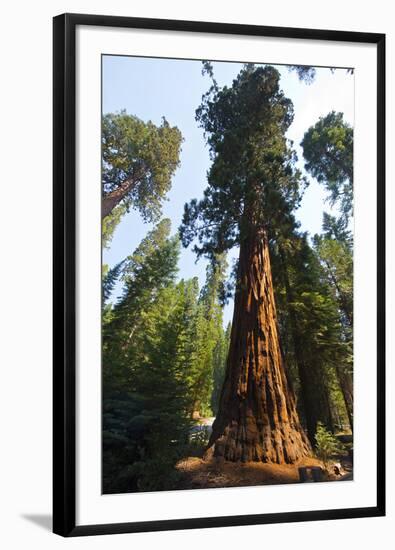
{"x":138,"y":162}
{"x":328,"y":151}
{"x":220,"y":355}
{"x":158,"y":356}
{"x":327,"y":445}
{"x":252,"y":179}
{"x":164,"y":346}
{"x":311,"y":328}
{"x":109,"y":281}
{"x":110,"y":223}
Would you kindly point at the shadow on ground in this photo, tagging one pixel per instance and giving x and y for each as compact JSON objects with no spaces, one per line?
{"x":42,"y":520}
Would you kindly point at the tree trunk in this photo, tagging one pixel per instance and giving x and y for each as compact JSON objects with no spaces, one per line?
{"x":257,"y":418}
{"x":346,"y":385}
{"x":111,"y":200}
{"x":315,"y":397}
{"x":341,"y":298}
{"x":345,"y":379}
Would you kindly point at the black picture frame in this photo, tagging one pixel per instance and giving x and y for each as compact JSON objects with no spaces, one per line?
{"x":64,"y":273}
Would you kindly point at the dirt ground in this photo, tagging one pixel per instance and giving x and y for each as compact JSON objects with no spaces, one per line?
{"x":200,"y":474}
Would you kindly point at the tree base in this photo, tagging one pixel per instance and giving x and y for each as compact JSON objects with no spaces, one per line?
{"x":257,"y":420}
{"x":249,"y":442}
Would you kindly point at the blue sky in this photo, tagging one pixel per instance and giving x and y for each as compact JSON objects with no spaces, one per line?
{"x":151,"y":88}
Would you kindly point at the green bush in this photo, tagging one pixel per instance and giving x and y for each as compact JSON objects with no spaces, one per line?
{"x":326,"y":445}
{"x":141,"y":443}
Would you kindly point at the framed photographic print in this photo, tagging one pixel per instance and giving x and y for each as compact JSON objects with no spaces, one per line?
{"x":218,"y":274}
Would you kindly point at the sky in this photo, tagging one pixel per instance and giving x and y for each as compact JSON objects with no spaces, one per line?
{"x":151,"y":88}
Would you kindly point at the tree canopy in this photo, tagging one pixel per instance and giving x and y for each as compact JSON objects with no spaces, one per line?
{"x":138,"y":162}
{"x":252,"y":179}
{"x":328,"y":152}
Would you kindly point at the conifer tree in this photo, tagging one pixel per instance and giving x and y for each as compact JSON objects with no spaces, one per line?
{"x":303,"y":316}
{"x":151,"y":267}
{"x":109,"y":281}
{"x":145,"y":370}
{"x":252,"y":187}
{"x":328,"y":151}
{"x":138,"y":162}
{"x":220,"y":355}
{"x":334,"y":250}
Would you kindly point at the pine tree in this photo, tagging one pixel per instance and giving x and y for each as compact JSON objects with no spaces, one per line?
{"x":151,"y":267}
{"x":145,"y":370}
{"x":334,"y":249}
{"x":220,"y":355}
{"x":110,"y":280}
{"x":145,"y":420}
{"x":211,"y":325}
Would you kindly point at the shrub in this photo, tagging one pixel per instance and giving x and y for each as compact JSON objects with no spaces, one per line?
{"x":327,"y":444}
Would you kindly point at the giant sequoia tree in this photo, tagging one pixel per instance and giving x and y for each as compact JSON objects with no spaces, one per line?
{"x":252,"y":188}
{"x":139,"y":160}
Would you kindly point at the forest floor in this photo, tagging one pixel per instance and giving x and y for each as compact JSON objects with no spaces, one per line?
{"x":201,"y":474}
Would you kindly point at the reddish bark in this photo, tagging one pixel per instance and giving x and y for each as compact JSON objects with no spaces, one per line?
{"x":110,"y":201}
{"x":257,"y":418}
